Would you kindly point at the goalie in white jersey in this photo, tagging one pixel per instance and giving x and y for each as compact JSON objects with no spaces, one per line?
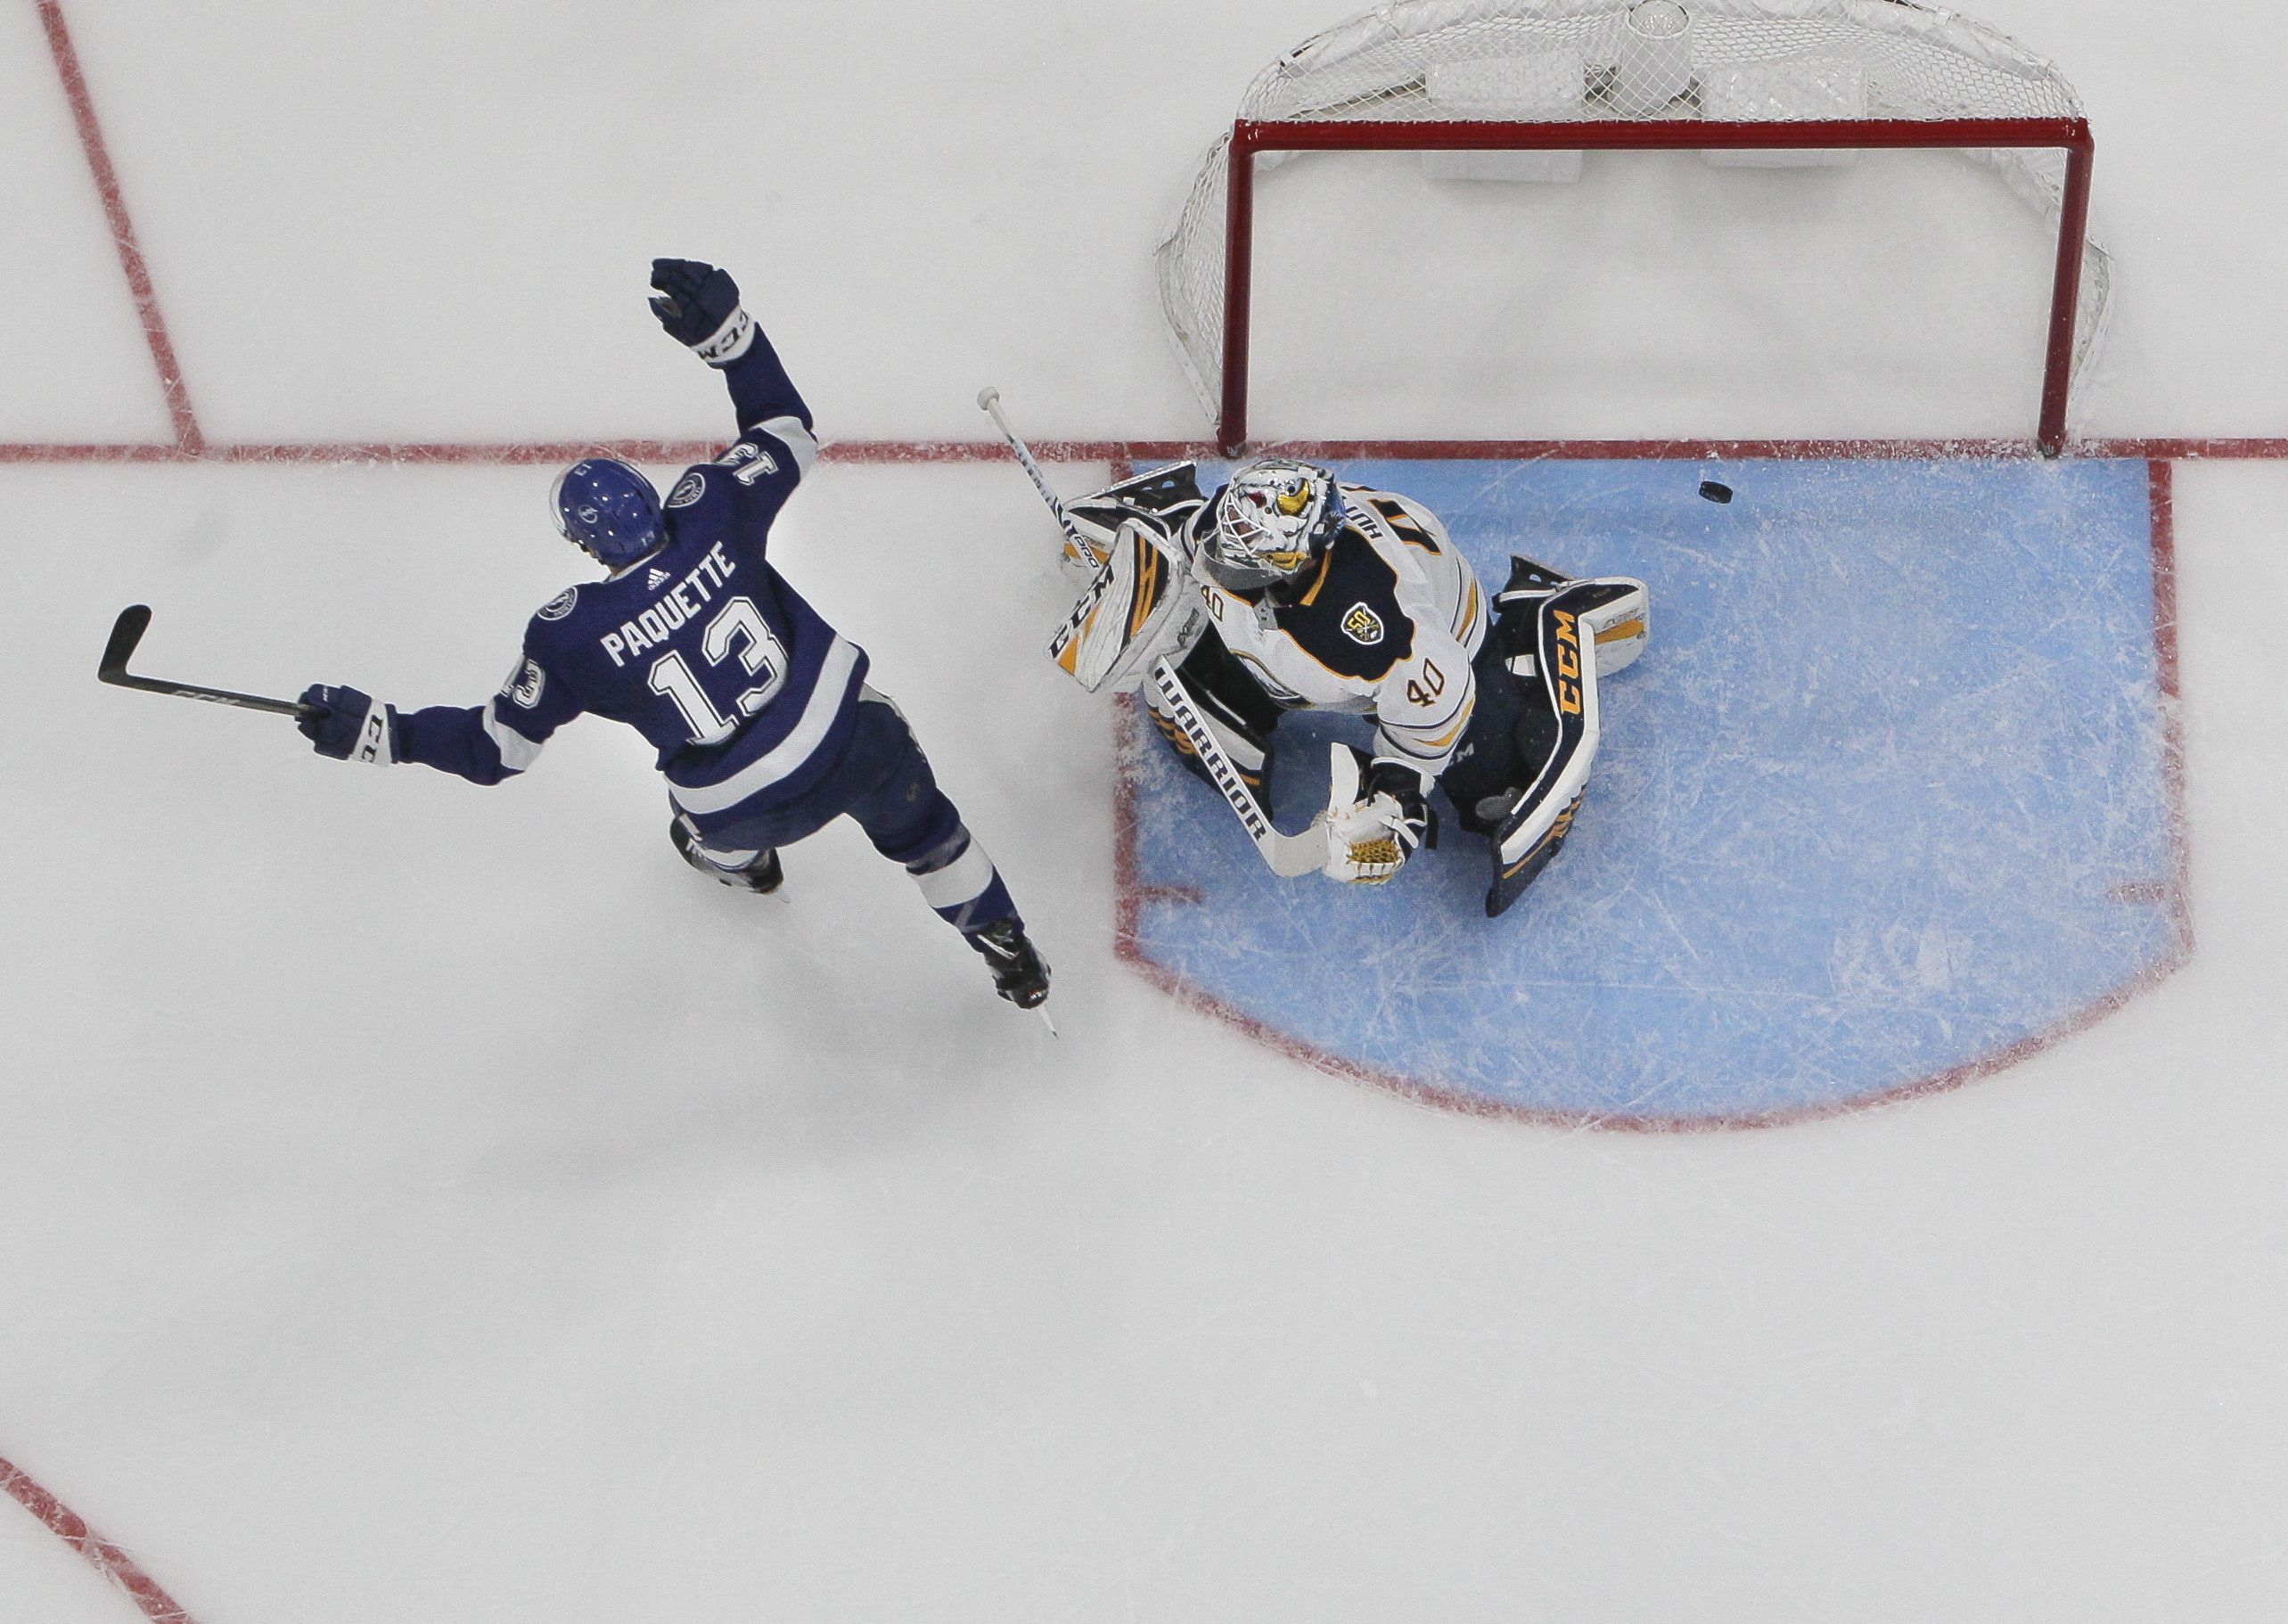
{"x":1308,"y":594}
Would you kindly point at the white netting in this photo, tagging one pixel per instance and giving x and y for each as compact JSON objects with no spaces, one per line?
{"x":1705,"y":61}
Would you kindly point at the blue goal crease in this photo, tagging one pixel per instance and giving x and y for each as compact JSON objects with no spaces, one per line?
{"x":1886,"y":796}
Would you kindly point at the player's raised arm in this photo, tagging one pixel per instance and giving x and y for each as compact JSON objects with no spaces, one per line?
{"x":698,"y":305}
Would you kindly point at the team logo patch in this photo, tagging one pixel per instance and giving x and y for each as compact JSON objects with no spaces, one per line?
{"x":1363,"y":625}
{"x":524,"y":683}
{"x":688,"y":489}
{"x":561,"y":605}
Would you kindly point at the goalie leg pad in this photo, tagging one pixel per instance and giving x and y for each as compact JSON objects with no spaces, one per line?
{"x":1538,"y":822}
{"x":1530,"y":579}
{"x":1252,"y":761}
{"x":1618,"y":626}
{"x":1617,"y":618}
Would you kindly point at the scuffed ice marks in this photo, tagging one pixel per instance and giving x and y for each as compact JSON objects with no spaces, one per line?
{"x":1886,"y":796}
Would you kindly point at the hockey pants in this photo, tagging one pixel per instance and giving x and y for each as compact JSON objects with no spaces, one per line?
{"x":883,"y":782}
{"x":1510,"y":726}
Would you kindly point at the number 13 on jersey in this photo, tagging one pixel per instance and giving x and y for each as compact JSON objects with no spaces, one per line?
{"x":761,"y":666}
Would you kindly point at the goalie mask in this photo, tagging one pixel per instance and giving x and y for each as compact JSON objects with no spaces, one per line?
{"x":1271,"y":524}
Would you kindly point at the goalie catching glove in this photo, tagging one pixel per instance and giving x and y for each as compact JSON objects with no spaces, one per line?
{"x":1374,"y":824}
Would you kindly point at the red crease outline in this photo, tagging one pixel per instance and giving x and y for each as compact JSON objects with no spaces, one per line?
{"x":1130,"y":896}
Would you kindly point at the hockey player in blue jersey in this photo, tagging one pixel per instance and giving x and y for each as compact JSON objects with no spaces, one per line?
{"x":765,"y":728}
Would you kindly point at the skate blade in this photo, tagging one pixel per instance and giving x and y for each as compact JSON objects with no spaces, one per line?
{"x":1042,"y":1010}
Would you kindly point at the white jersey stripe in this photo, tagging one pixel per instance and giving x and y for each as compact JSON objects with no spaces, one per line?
{"x":790,"y":754}
{"x":790,"y":432}
{"x":962,"y":880}
{"x":517,"y":751}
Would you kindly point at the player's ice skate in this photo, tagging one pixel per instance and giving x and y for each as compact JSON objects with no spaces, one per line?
{"x":759,"y":872}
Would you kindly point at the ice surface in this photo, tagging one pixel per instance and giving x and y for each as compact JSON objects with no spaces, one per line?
{"x":423,"y":1202}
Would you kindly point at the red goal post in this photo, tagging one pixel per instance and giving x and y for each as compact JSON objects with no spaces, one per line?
{"x":1909,"y":76}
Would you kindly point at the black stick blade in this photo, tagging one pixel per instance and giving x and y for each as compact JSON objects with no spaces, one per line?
{"x":126,"y":631}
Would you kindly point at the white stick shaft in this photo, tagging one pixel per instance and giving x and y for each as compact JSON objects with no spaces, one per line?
{"x":1288,"y":855}
{"x":990,"y":399}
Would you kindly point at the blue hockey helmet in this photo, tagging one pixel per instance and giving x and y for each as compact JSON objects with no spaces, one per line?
{"x":608,"y":507}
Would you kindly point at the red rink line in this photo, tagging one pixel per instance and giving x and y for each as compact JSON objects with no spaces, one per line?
{"x":2161,"y":477}
{"x":115,"y":1564}
{"x":187,"y":437}
{"x":1130,"y":894}
{"x":420,"y":453}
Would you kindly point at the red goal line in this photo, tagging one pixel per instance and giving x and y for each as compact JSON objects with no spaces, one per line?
{"x":420,"y":453}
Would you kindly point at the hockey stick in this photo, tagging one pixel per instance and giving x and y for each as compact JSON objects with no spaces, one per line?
{"x":1288,"y":855}
{"x":128,"y":631}
{"x":988,"y":401}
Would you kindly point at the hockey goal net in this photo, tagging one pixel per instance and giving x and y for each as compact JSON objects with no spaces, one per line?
{"x":1535,"y":83}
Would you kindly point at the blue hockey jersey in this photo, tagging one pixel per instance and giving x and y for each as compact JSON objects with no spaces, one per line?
{"x":702,"y":647}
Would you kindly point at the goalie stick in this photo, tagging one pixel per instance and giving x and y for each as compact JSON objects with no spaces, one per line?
{"x":988,"y":401}
{"x":1288,"y":855}
{"x":128,"y":631}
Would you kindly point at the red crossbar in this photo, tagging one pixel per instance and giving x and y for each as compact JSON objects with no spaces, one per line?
{"x":1253,"y":135}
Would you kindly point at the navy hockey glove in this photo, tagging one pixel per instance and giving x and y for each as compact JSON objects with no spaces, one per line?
{"x":699,"y":305}
{"x":350,"y":725}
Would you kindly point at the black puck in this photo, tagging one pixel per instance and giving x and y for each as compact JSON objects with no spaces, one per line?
{"x":1716,"y":491}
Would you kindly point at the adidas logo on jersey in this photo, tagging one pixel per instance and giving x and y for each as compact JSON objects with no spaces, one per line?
{"x":652,"y":581}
